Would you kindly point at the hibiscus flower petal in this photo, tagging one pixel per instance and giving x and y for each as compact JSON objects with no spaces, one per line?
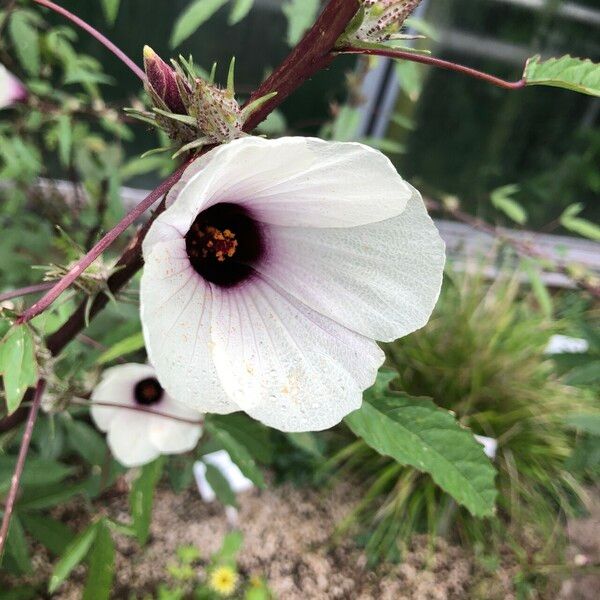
{"x":11,"y":88}
{"x":116,"y":387}
{"x":381,"y":280}
{"x":176,"y":306}
{"x":129,"y":441}
{"x":286,"y":365}
{"x":171,"y":436}
{"x":292,"y":181}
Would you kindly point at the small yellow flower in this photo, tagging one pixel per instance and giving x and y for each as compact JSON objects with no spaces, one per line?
{"x":223,"y":580}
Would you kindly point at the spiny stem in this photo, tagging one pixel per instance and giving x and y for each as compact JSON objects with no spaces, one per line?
{"x":436,"y":62}
{"x":149,"y":411}
{"x":16,"y":478}
{"x":25,"y":291}
{"x":96,"y":34}
{"x":81,"y":265}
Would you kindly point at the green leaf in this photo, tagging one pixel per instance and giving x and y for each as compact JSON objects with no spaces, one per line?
{"x":86,"y":441}
{"x":576,"y":74}
{"x":251,"y":434}
{"x":274,"y":124}
{"x":501,"y":199}
{"x":111,"y":10}
{"x":141,"y":166}
{"x":49,"y":496}
{"x":193,"y":17}
{"x":301,"y":14}
{"x":403,"y":121}
{"x":306,"y":441}
{"x":130,"y":344}
{"x":346,"y":124}
{"x":64,"y":132}
{"x":75,"y":552}
{"x":17,"y":546}
{"x":239,"y":454}
{"x":37,"y":472}
{"x":17,"y":365}
{"x":258,"y":593}
{"x":569,"y":220}
{"x":584,"y":375}
{"x":180,"y":470}
{"x":590,"y":423}
{"x":410,"y":76}
{"x":538,"y":287}
{"x":102,"y":565}
{"x":385,"y":145}
{"x":25,"y":39}
{"x":415,"y":432}
{"x":188,"y":554}
{"x":141,"y":498}
{"x":232,"y":544}
{"x":239,"y":10}
{"x":422,"y":27}
{"x":220,"y":485}
{"x":49,"y":532}
{"x":20,"y":592}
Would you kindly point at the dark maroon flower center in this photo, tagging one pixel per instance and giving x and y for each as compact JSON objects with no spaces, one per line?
{"x":223,"y":243}
{"x":148,"y":391}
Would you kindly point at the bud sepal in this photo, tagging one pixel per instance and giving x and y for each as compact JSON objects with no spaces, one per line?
{"x":378,"y":24}
{"x":192,"y":111}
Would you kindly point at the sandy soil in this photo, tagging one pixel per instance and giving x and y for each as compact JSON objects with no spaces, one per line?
{"x":288,"y":540}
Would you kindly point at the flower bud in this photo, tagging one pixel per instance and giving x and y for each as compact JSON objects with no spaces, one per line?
{"x":382,"y":19}
{"x":12,"y":89}
{"x":191,"y":111}
{"x":162,"y":81}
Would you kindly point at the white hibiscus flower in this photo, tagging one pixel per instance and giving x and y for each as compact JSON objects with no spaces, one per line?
{"x":11,"y":89}
{"x":275,"y":266}
{"x":155,"y":424}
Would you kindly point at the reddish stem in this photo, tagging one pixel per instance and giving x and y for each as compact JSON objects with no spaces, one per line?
{"x":96,"y":34}
{"x":16,"y":478}
{"x":436,"y":62}
{"x":25,"y":291}
{"x":139,"y":409}
{"x":81,"y":265}
{"x":127,"y":266}
{"x":312,"y":54}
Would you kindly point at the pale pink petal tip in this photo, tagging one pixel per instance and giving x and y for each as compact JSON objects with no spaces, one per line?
{"x":12,"y":89}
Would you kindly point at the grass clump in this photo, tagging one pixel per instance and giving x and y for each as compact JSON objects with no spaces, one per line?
{"x":482,"y":357}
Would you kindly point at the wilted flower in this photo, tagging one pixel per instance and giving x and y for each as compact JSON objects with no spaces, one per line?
{"x":11,"y":88}
{"x":275,"y":266}
{"x":138,"y":435}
